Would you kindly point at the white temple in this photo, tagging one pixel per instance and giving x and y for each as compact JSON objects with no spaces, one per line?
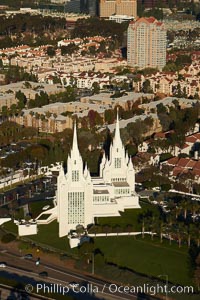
{"x":81,"y":198}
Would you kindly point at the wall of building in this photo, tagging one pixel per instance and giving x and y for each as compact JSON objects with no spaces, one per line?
{"x":118,"y":7}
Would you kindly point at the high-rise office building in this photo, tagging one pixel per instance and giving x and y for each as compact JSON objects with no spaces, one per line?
{"x":88,"y":7}
{"x":73,"y":6}
{"x":146,"y":43}
{"x":118,"y":7}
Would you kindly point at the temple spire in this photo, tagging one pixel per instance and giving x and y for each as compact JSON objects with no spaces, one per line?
{"x":75,"y":142}
{"x":117,"y":131}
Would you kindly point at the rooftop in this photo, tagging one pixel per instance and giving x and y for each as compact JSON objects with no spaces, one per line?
{"x":121,"y":184}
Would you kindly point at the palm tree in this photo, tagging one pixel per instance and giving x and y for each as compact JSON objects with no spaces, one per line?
{"x":161,"y":229}
{"x":13,"y":110}
{"x":107,"y":228}
{"x":197,"y":233}
{"x":180,"y":233}
{"x":185,"y":206}
{"x":151,"y":225}
{"x":195,"y":207}
{"x":54,"y":116}
{"x":37,"y":117}
{"x":117,"y":228}
{"x":170,"y":230}
{"x":31,"y":113}
{"x":141,"y":219}
{"x":190,"y":233}
{"x":129,"y":228}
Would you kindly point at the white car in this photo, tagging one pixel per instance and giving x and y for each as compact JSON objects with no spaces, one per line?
{"x":156,"y":188}
{"x":3,"y":265}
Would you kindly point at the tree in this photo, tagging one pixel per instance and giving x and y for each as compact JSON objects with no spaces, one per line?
{"x":106,"y":228}
{"x":69,"y":49}
{"x":51,"y":51}
{"x":117,"y":228}
{"x":92,"y":50}
{"x":132,"y":149}
{"x":136,"y":131}
{"x":109,"y":116}
{"x":161,"y":109}
{"x":95,"y":88}
{"x":94,"y":118}
{"x":22,"y":99}
{"x":183,"y":60}
{"x":185,"y":205}
{"x":180,"y":233}
{"x":7,"y":238}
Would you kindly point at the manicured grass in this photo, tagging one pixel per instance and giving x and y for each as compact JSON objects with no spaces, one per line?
{"x":19,"y":213}
{"x":44,"y":217}
{"x":11,"y":227}
{"x":128,"y":217}
{"x":146,"y":256}
{"x":36,"y":207}
{"x":48,"y":235}
{"x":141,"y":255}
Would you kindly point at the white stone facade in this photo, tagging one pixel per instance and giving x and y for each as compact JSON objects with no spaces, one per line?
{"x":81,"y":198}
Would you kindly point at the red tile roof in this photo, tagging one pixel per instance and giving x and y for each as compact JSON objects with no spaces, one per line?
{"x":172,"y":161}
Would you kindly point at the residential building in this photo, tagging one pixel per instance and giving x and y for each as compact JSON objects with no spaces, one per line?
{"x":124,"y":101}
{"x":121,"y":18}
{"x":118,"y":7}
{"x":146,"y":45}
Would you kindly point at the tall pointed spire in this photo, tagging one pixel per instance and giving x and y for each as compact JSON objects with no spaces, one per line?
{"x":75,"y":142}
{"x":117,"y":132}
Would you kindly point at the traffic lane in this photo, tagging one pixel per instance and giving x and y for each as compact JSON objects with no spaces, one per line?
{"x":62,"y":276}
{"x":82,"y":290}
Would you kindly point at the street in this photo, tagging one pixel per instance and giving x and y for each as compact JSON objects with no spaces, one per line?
{"x":84,"y":286}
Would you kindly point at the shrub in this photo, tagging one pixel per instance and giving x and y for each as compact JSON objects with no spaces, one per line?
{"x":165,"y":187}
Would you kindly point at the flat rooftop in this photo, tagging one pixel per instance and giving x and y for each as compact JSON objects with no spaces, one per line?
{"x":121,"y":184}
{"x":100,"y":192}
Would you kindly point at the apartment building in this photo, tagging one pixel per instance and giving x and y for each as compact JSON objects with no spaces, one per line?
{"x":117,"y":7}
{"x":146,"y":43}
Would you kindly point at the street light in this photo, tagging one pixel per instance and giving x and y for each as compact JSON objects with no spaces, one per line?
{"x":167,"y":279}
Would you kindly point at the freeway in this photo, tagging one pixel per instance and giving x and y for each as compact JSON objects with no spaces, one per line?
{"x":83,"y":286}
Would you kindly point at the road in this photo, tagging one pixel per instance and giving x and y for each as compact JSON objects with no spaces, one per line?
{"x":85,"y":286}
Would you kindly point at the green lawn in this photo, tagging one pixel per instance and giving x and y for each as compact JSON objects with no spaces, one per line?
{"x":10,"y":226}
{"x":141,"y":255}
{"x":128,"y":217}
{"x":48,"y":235}
{"x":146,"y":256}
{"x":36,"y":207}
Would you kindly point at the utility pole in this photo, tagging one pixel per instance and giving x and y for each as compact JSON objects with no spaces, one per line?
{"x":92,"y":263}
